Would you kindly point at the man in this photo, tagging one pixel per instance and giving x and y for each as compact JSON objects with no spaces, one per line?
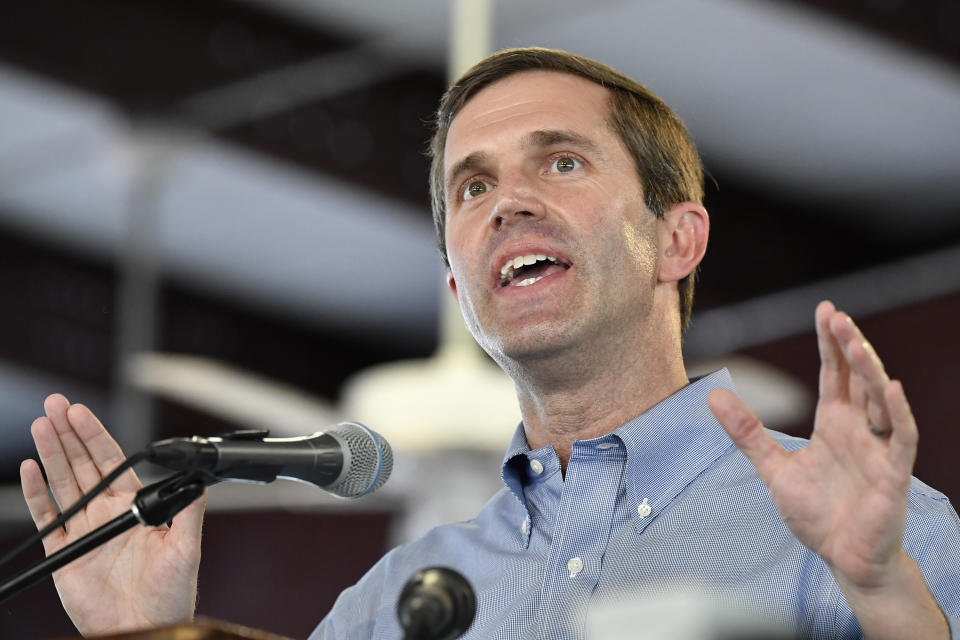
{"x":567,"y":200}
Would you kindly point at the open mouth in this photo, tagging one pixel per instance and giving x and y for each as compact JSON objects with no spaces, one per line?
{"x":523,"y":271}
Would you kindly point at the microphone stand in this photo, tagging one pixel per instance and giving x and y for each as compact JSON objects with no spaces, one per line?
{"x":153,"y":505}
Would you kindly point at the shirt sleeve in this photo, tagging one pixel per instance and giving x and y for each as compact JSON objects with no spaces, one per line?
{"x":954,"y":623}
{"x":933,"y":540}
{"x":359,"y":610}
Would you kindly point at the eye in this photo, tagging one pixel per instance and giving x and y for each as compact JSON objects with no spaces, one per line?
{"x":476,"y":188}
{"x":564,"y":164}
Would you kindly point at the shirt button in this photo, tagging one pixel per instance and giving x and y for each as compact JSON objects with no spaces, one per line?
{"x":643,"y":509}
{"x":536,"y":467}
{"x":525,"y":527}
{"x":575,"y":565}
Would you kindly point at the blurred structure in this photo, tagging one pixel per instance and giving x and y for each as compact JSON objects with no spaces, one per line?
{"x":285,"y":242}
{"x":685,"y":614}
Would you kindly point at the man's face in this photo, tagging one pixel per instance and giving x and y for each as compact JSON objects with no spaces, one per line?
{"x":534,"y":173}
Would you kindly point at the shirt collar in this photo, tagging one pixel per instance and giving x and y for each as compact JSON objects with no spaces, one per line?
{"x":672,"y":443}
{"x":668,"y":446}
{"x":513,"y":470}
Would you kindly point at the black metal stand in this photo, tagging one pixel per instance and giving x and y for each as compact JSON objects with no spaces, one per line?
{"x":152,"y":506}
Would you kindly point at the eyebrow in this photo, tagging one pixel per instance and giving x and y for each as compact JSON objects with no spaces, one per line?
{"x":540,"y":138}
{"x":553,"y":137}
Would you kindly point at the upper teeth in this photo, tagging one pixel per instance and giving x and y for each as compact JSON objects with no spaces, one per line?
{"x":506,"y":271}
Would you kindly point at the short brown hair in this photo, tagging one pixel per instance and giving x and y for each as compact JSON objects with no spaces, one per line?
{"x":667,"y":162}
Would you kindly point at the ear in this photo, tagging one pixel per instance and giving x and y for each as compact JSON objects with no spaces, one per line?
{"x":683,"y":240}
{"x":452,"y":284}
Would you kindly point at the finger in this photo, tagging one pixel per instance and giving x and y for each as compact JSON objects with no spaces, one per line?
{"x":849,"y":335}
{"x":41,"y":507}
{"x":747,"y":432}
{"x":63,"y":482}
{"x":104,"y":452}
{"x":903,"y":440}
{"x":867,"y":367}
{"x":858,"y":393}
{"x":84,"y":470}
{"x":834,"y":371}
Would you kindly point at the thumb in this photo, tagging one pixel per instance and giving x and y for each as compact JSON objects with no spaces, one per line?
{"x":747,"y":432}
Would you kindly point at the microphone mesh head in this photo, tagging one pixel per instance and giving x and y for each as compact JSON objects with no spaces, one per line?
{"x":367,"y":460}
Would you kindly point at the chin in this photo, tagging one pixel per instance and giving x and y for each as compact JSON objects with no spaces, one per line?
{"x":540,"y":343}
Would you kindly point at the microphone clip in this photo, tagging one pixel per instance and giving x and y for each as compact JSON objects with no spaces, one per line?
{"x":157,"y":503}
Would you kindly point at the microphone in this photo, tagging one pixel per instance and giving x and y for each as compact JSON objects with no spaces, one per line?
{"x":436,"y":604}
{"x":348,"y":460}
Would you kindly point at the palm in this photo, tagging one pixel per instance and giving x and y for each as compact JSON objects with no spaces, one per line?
{"x":145,"y":576}
{"x":843,"y":477}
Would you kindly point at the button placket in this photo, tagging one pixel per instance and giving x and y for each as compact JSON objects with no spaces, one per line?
{"x":587,"y":505}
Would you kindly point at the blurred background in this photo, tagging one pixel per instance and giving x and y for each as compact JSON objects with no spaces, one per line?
{"x":214,"y":215}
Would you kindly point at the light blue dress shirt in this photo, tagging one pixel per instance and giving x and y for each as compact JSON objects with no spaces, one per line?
{"x":664,"y":502}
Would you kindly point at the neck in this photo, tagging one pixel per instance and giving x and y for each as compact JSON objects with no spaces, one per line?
{"x":594,"y":393}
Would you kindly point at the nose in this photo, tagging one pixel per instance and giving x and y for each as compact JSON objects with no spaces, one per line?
{"x":517,"y":200}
